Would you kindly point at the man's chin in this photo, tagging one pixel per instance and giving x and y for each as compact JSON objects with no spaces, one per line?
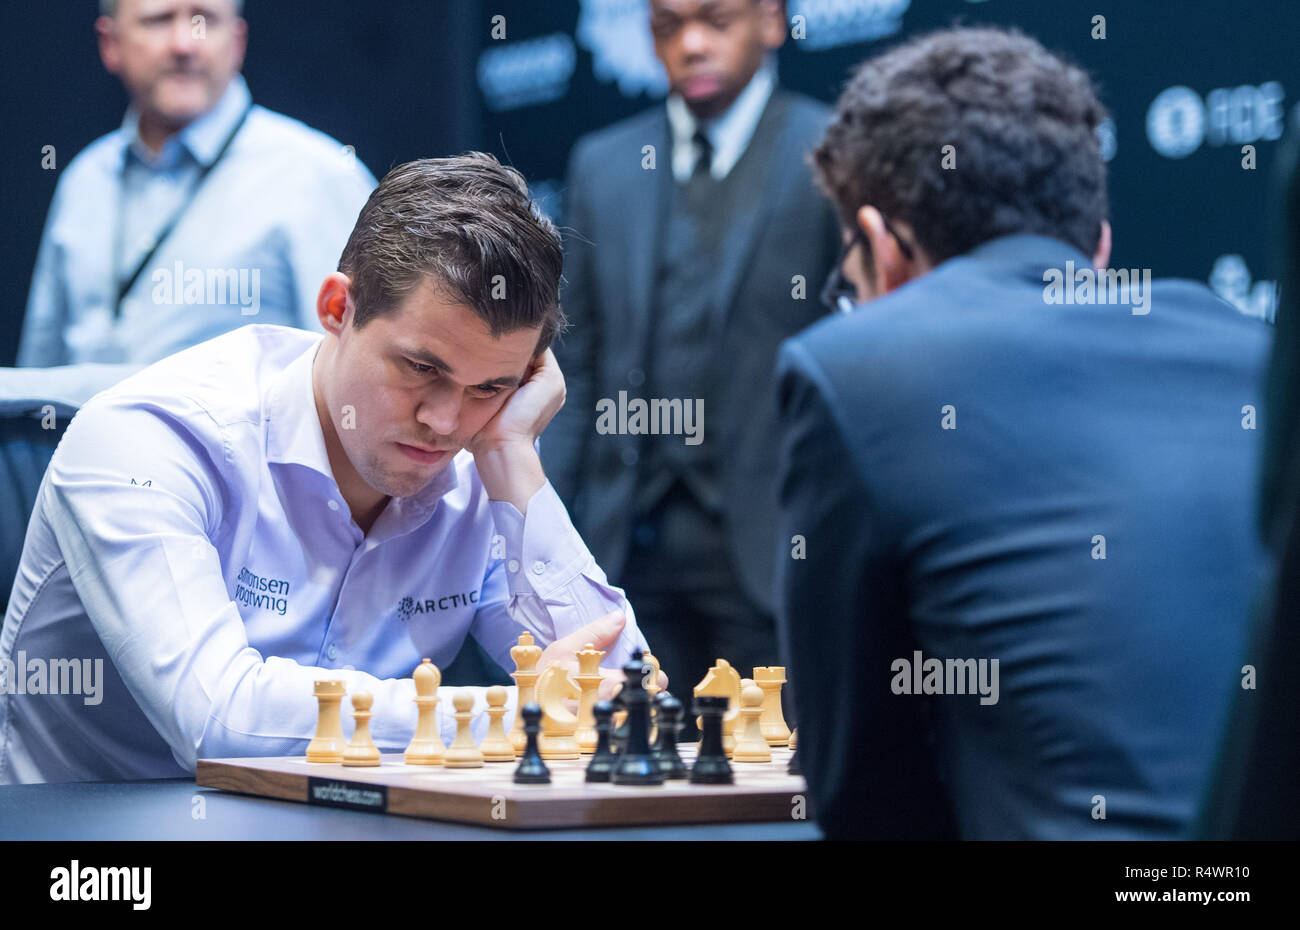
{"x":409,"y":478}
{"x":179,"y":107}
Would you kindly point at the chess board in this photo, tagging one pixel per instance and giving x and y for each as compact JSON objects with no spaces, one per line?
{"x":488,"y":796}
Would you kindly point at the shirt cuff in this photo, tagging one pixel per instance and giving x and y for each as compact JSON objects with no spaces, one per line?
{"x":543,"y":551}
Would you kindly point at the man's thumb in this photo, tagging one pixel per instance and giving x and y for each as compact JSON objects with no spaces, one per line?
{"x":601,"y":633}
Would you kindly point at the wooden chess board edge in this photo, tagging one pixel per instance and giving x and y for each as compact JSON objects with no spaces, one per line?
{"x":505,"y":806}
{"x":209,"y":773}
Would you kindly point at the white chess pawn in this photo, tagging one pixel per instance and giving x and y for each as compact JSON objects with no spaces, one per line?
{"x":750,"y":745}
{"x":362,"y":750}
{"x":426,"y":746}
{"x":496,"y":746}
{"x":463,"y":753}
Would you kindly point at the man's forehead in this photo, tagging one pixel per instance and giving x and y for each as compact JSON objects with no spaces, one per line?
{"x":694,"y":7}
{"x":144,"y":8}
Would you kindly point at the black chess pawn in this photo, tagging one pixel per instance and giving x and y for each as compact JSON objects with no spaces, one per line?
{"x":635,"y":765}
{"x":602,"y":762}
{"x":665,"y":748}
{"x":711,"y":765}
{"x":532,"y":770}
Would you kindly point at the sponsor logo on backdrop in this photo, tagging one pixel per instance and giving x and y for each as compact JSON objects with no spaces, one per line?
{"x":1179,"y":121}
{"x":1230,"y":279}
{"x":526,"y":73}
{"x":617,"y":33}
{"x":832,"y":23}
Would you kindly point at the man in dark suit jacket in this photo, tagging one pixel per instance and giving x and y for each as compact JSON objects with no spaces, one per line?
{"x":1021,"y":611}
{"x":697,"y":243}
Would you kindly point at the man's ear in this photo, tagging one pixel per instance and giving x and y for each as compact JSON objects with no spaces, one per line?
{"x":110,"y":52}
{"x":1101,"y":258}
{"x":772,"y":25}
{"x":240,"y":26}
{"x":889,"y":269}
{"x":333,"y":301}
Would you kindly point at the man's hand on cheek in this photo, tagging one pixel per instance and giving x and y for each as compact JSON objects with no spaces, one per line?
{"x":503,"y":449}
{"x":527,"y":411}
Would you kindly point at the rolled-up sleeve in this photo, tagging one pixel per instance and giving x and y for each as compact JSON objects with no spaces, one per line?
{"x":543,"y":578}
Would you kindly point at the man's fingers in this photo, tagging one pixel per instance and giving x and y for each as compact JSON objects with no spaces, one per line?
{"x":601,"y":633}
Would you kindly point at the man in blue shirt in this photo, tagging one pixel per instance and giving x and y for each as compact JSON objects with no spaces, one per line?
{"x":1017,"y":545}
{"x":200,"y":214}
{"x":274,"y":507}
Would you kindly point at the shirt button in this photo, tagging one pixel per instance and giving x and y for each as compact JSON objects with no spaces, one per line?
{"x":332,"y":652}
{"x":629,"y":456}
{"x":334,"y":505}
{"x":539,"y":567}
{"x":513,"y":565}
{"x":636,"y":377}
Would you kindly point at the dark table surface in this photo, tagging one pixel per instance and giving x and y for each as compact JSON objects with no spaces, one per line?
{"x":167,"y":809}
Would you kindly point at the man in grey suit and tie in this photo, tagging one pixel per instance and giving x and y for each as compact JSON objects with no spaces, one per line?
{"x":697,"y":243}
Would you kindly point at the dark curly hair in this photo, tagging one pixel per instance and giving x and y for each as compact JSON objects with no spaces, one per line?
{"x":1023,"y":123}
{"x":460,"y":222}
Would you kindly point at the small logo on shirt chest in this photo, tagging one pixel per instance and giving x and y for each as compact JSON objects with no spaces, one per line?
{"x":262,"y":592}
{"x":409,"y":607}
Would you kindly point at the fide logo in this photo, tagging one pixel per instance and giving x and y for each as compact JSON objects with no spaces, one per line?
{"x":1179,"y":121}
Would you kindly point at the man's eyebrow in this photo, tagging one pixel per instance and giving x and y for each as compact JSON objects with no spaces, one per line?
{"x":425,"y":357}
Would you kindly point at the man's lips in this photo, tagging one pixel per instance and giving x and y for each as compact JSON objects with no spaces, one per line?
{"x":701,"y":85}
{"x":421,"y":453}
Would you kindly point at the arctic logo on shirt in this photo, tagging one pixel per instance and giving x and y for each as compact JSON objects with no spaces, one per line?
{"x":408,"y":607}
{"x":249,"y":592}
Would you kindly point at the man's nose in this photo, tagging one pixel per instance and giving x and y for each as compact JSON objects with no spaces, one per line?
{"x":183,"y":34}
{"x":440,"y":411}
{"x":695,"y":40}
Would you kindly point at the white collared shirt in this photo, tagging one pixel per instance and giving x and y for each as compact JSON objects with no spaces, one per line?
{"x":729,"y":133}
{"x":190,"y":535}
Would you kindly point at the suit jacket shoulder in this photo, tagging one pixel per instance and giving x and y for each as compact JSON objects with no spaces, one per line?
{"x":807,"y":114}
{"x":595,"y":149}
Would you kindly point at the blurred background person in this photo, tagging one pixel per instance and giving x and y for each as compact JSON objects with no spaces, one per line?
{"x":1054,"y":496}
{"x":686,"y":265}
{"x":1253,"y":796}
{"x":202,"y":213}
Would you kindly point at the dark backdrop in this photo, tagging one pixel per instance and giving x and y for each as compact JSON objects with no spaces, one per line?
{"x":399,"y":79}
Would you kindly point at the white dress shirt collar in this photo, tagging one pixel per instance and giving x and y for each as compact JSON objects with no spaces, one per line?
{"x":729,"y":133}
{"x":202,"y":138}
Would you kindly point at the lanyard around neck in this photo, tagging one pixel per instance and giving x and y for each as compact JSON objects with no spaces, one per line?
{"x":124,"y":285}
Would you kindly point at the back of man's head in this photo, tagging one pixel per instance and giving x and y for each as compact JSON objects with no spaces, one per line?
{"x":1022,"y":125}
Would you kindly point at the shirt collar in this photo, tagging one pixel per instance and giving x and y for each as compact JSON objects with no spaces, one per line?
{"x":294,"y":435}
{"x":202,"y":139}
{"x":729,"y":133}
{"x":1030,"y":252}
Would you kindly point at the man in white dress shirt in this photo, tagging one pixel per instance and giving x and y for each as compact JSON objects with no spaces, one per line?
{"x":272,"y":507}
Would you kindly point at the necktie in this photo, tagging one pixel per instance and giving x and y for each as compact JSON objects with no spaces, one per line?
{"x":703,"y":154}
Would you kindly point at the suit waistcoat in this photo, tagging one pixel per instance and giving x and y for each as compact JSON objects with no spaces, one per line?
{"x":684,"y":363}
